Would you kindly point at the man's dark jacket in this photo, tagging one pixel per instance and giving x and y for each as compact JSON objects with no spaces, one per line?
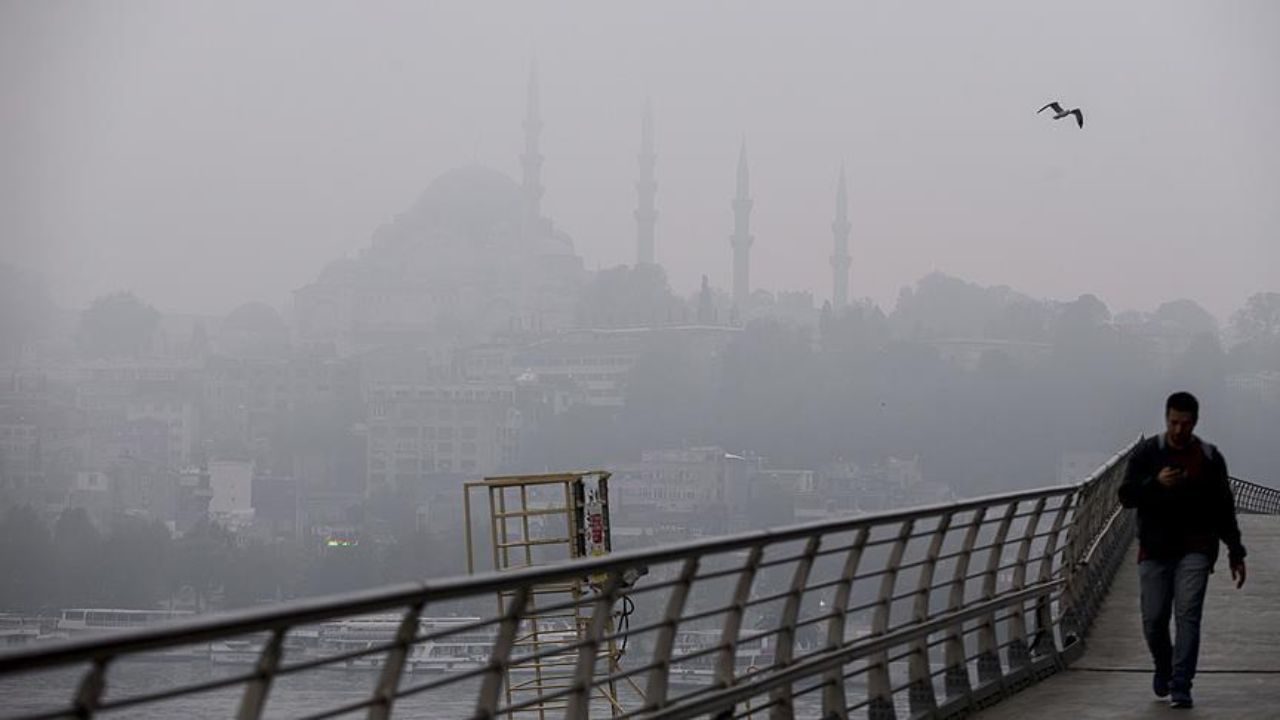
{"x":1189,"y":517}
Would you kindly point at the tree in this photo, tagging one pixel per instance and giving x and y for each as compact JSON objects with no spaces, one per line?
{"x":669,"y":392}
{"x":201,"y":560}
{"x":1259,"y":319}
{"x":1255,"y":329}
{"x":1186,"y":316}
{"x":764,"y":388}
{"x":78,"y":556}
{"x":27,"y":561}
{"x":941,"y":306}
{"x":1201,"y":369}
{"x":117,"y":325}
{"x":630,"y":296}
{"x":134,"y":555}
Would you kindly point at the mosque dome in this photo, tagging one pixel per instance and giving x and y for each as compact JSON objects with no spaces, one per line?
{"x":474,"y":193}
{"x":471,"y":207}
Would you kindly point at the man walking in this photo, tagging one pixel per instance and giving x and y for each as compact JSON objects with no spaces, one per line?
{"x":1178,"y":484}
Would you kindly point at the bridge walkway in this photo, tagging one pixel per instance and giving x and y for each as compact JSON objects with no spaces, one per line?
{"x":1239,"y":675}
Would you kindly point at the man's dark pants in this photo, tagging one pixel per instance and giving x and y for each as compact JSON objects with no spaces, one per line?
{"x":1174,"y":587}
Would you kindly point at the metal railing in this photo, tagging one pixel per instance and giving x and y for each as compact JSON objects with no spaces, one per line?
{"x":932,"y":611}
{"x":1254,"y":498}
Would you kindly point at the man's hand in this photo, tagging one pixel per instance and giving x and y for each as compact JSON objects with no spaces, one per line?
{"x":1170,"y":476}
{"x":1238,"y":573}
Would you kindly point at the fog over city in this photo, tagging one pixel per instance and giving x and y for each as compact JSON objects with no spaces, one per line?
{"x":277,"y":279}
{"x":204,"y":155}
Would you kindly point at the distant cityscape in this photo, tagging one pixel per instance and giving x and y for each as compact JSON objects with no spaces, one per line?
{"x":469,"y":340}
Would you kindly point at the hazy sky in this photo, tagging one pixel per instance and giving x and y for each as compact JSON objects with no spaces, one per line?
{"x":206,"y":154}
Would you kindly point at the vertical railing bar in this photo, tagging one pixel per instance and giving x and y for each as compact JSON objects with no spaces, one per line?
{"x":393,"y":667}
{"x":535,"y":622}
{"x":786,"y":638}
{"x":255,"y":692}
{"x":503,"y":531}
{"x":656,"y":689}
{"x":524,"y":525}
{"x":579,"y":700}
{"x":466,"y":526}
{"x":1044,"y":632}
{"x":834,"y":703}
{"x":989,"y":668}
{"x":879,"y":685}
{"x":1069,"y":602}
{"x":957,"y":677}
{"x":494,"y":542}
{"x":921,"y":697}
{"x":493,"y":534}
{"x":726,"y":660}
{"x":1017,"y":622}
{"x":575,"y":508}
{"x":500,"y":659}
{"x":89,"y":695}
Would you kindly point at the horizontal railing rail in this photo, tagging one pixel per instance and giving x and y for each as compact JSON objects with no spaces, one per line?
{"x":932,"y":612}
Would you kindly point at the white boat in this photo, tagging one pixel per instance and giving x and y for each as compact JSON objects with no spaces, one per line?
{"x":76,"y":622}
{"x":11,"y":638}
{"x":447,"y":654}
{"x":235,"y":652}
{"x":79,"y":621}
{"x":18,"y":630}
{"x":452,"y":653}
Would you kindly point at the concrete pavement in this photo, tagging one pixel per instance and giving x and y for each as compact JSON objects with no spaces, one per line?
{"x":1239,"y":674}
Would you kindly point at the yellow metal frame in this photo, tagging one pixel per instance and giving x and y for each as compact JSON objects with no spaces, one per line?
{"x":534,"y":504}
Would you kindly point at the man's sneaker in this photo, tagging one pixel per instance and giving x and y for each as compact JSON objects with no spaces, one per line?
{"x":1160,"y":685}
{"x":1181,"y":698}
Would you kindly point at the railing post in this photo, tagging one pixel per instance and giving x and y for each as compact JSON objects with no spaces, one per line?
{"x":491,"y":686}
{"x":920,"y":696}
{"x":989,"y":669}
{"x":957,"y":675}
{"x":1019,"y":657}
{"x":1096,"y":513}
{"x":834,"y":703}
{"x":1073,"y":570}
{"x":879,"y":685}
{"x":255,"y":692}
{"x":726,"y":659}
{"x":91,"y":688}
{"x":656,"y":690}
{"x":393,"y":668}
{"x":1044,"y":642}
{"x":781,"y":697}
{"x":579,"y":700}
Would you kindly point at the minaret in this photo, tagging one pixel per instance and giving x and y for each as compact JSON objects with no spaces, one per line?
{"x":840,"y":258}
{"x":531,"y":160}
{"x":741,"y":240}
{"x":646,"y":188}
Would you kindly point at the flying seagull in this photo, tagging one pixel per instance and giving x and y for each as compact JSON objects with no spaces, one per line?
{"x":1060,"y":113}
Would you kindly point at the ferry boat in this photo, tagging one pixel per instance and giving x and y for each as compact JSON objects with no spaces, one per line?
{"x":235,"y":652}
{"x":16,"y":631}
{"x":77,"y":622}
{"x":299,"y":644}
{"x":81,"y":621}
